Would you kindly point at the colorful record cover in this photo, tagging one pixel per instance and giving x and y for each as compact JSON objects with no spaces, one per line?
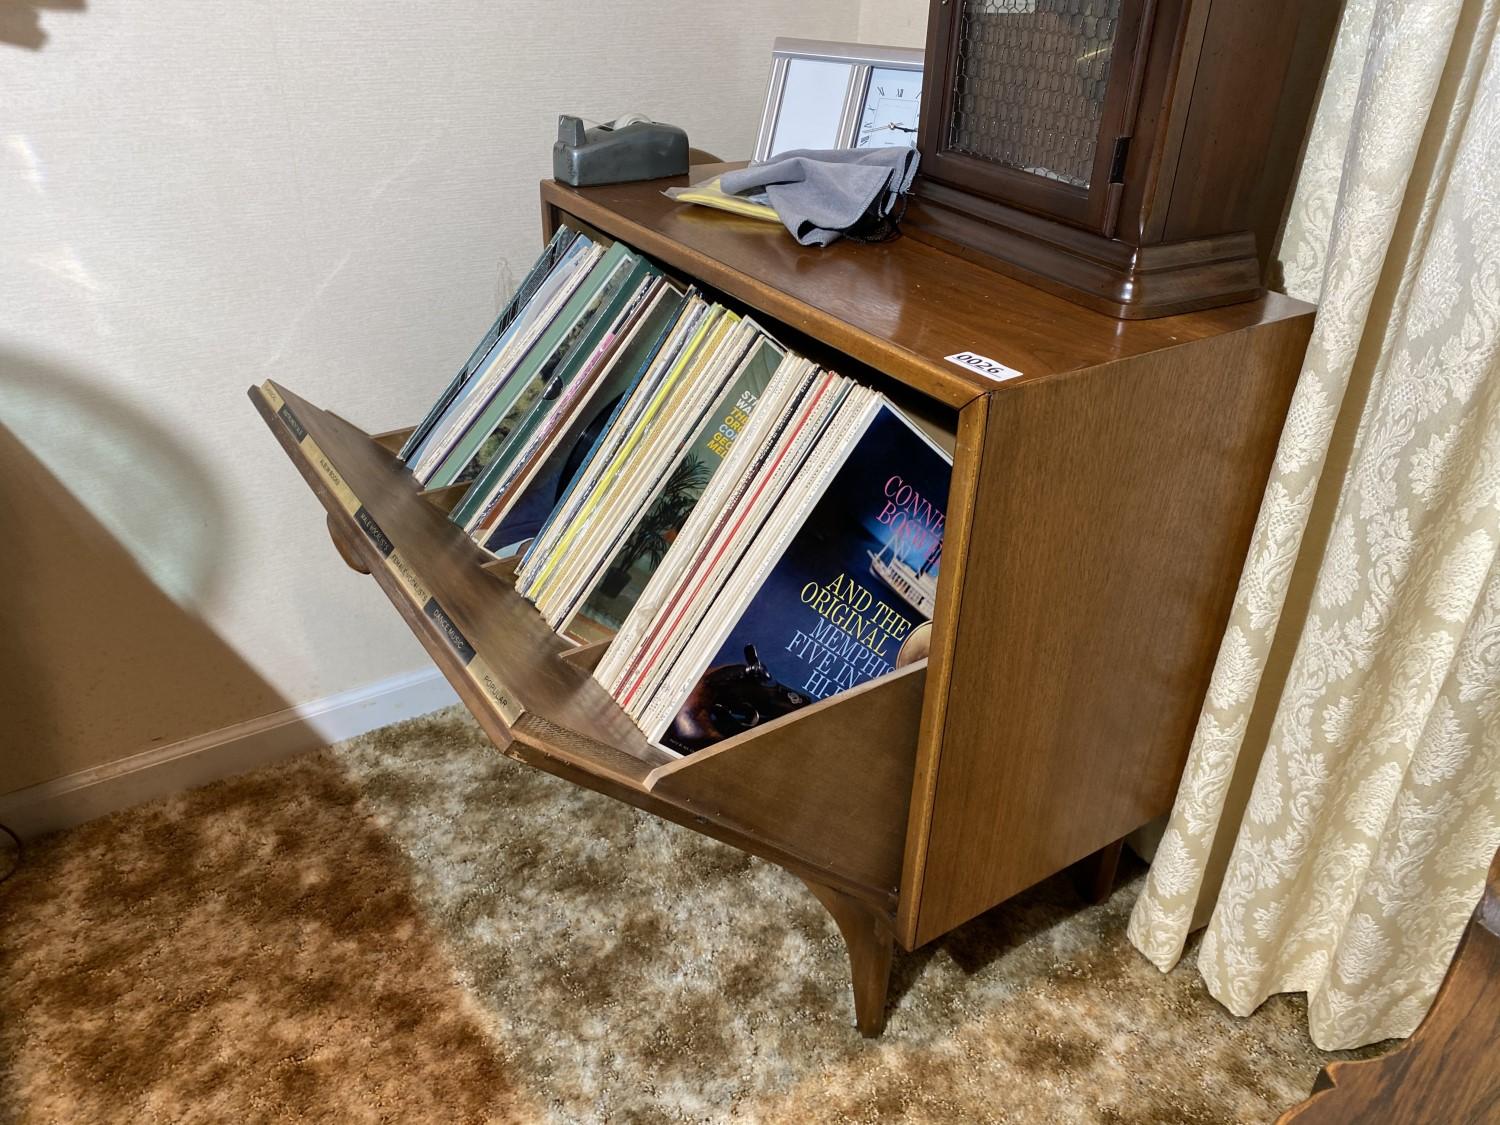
{"x":571,"y":450}
{"x":494,"y":370}
{"x":487,"y":502}
{"x":551,"y":254}
{"x":485,"y":434}
{"x":849,"y":600}
{"x":576,"y":496}
{"x":637,"y":427}
{"x":631,"y":568}
{"x":546,"y":385}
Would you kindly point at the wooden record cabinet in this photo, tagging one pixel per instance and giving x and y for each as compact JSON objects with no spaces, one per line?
{"x":1102,"y":501}
{"x":1135,"y":156}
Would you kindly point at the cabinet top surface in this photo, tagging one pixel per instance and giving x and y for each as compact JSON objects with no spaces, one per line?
{"x":901,"y":306}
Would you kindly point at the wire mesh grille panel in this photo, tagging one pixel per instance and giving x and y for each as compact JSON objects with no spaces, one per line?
{"x":1031,"y":80}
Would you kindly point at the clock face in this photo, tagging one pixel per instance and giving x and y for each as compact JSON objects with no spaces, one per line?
{"x":893,"y":101}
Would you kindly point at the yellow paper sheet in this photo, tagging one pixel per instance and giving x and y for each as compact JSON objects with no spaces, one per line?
{"x":710,"y":194}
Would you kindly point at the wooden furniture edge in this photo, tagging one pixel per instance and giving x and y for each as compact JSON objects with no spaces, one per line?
{"x":392,"y":440}
{"x":706,"y":246}
{"x":870,"y":942}
{"x":948,"y":385}
{"x":1449,"y":1069}
{"x":587,"y":656}
{"x":445,"y":498}
{"x":967,"y":463}
{"x":840,"y":772}
{"x":1109,"y":277}
{"x":336,"y":456}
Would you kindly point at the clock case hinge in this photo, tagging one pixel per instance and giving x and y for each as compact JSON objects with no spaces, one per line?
{"x":1116,"y":188}
{"x":1117,"y":164}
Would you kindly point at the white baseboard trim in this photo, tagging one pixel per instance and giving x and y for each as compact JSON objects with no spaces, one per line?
{"x":77,"y":797}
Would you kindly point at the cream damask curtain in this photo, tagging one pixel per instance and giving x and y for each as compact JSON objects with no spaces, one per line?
{"x":1358,"y":683}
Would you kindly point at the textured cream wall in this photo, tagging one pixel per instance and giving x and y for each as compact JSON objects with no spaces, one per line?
{"x":895,"y":23}
{"x":198,"y":195}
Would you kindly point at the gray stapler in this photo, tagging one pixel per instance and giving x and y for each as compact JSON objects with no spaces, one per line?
{"x":631,"y":148}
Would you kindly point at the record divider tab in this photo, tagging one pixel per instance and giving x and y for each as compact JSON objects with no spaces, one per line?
{"x":411,"y":582}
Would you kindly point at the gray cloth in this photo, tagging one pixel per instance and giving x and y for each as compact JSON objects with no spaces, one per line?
{"x":820,"y":193}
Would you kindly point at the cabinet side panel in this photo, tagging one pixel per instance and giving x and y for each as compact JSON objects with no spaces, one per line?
{"x":1252,"y":99}
{"x":1112,"y":516}
{"x":830,"y":781}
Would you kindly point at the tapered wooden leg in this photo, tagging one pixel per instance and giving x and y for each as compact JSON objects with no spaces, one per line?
{"x":1094,"y":875}
{"x":871,"y":941}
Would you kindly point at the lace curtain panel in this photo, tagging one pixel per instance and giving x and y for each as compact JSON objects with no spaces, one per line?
{"x":1341,"y":800}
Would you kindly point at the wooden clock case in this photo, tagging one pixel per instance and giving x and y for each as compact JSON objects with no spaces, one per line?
{"x":1204,"y":107}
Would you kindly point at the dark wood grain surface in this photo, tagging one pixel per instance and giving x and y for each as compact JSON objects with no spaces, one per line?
{"x":1448,"y":1072}
{"x":900,"y":306}
{"x":946,"y":615}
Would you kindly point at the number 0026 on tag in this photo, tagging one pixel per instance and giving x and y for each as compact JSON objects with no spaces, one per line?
{"x":989,"y":368}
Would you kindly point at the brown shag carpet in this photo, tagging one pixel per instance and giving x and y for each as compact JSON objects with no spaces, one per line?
{"x":411,"y":928}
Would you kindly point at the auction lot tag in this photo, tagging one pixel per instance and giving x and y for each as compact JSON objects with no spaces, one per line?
{"x":987,"y":367}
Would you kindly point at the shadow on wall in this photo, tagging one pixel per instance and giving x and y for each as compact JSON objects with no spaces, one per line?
{"x":97,"y":661}
{"x":134,"y":473}
{"x":21,"y":20}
